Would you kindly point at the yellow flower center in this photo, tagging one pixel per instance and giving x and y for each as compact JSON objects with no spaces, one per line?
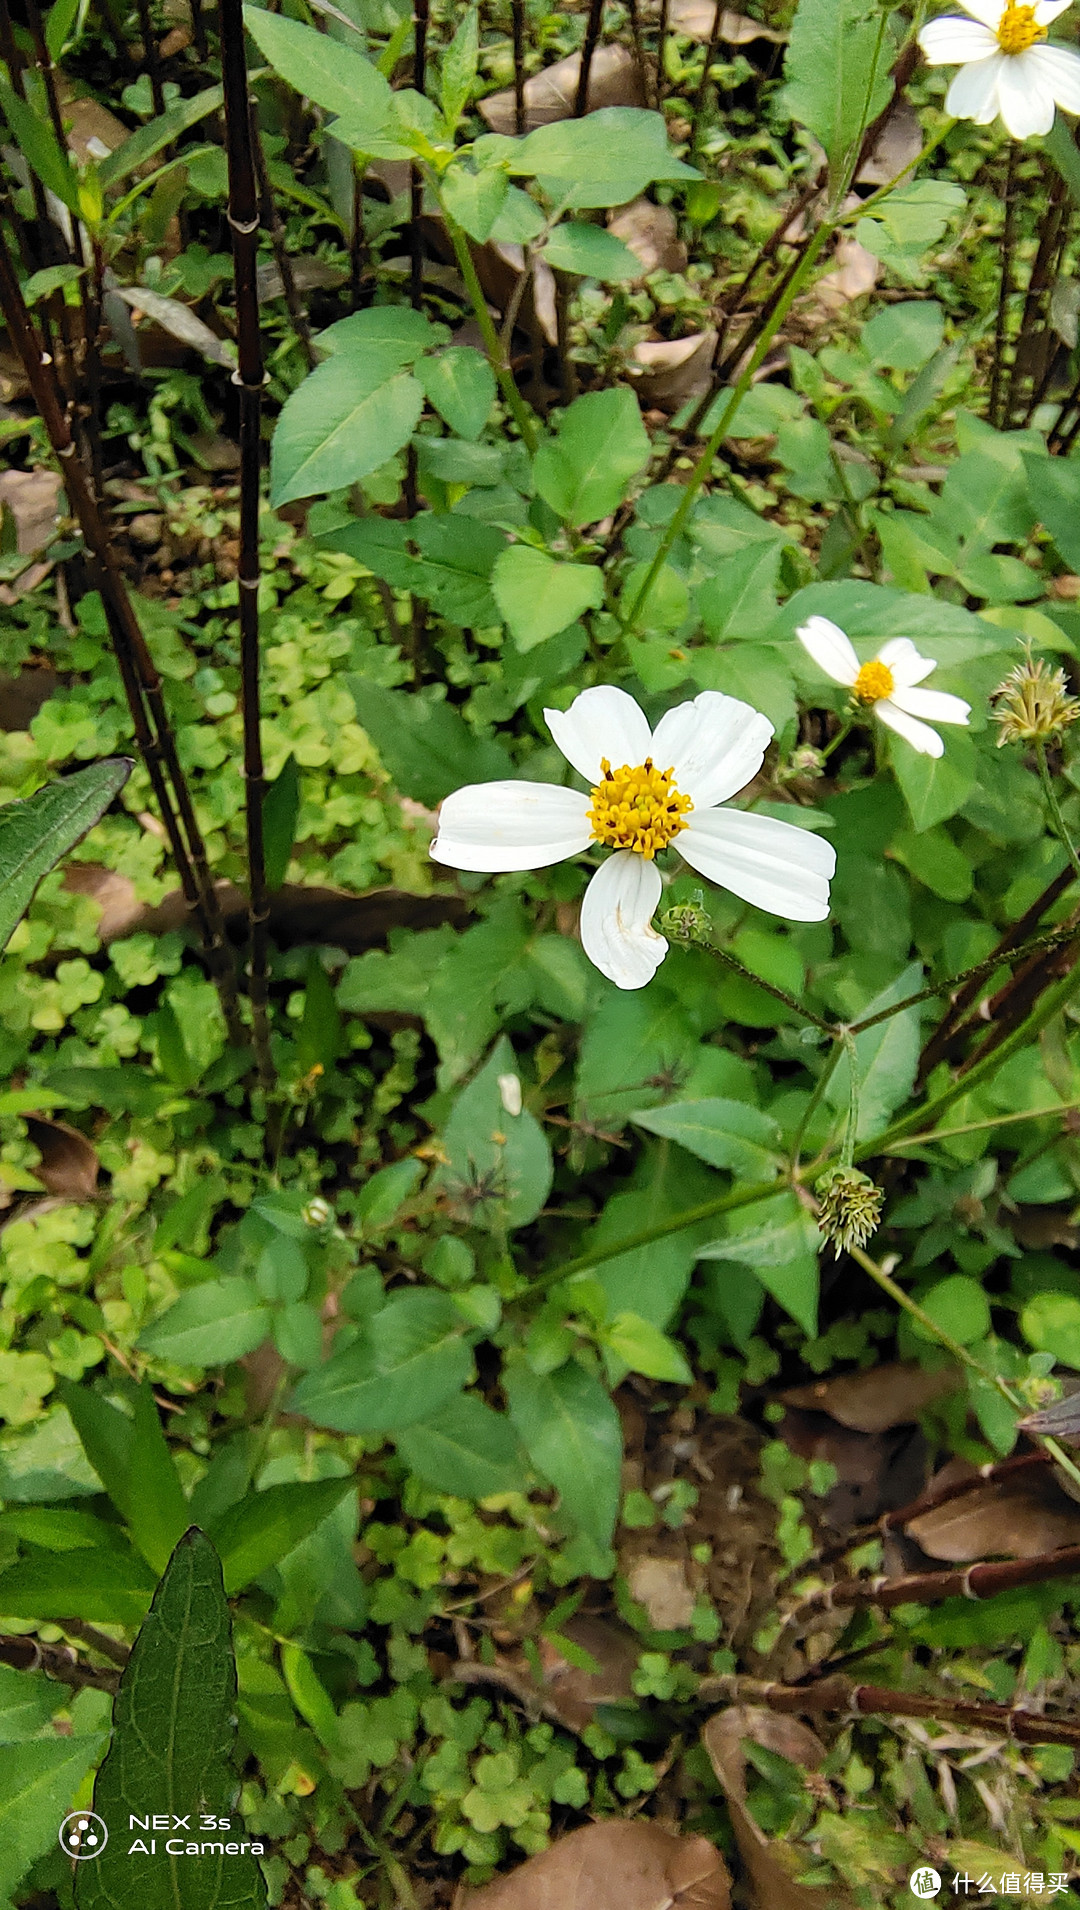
{"x":638,"y":809}
{"x":874,"y":681}
{"x":1018,"y":29}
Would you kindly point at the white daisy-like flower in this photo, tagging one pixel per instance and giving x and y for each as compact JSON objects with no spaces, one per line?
{"x":712,"y":748}
{"x":1005,"y":67}
{"x":887,"y":683}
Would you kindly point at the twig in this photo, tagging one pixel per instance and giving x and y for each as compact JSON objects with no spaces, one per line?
{"x":841,"y":1694}
{"x":57,"y":1661}
{"x":272,"y":221}
{"x":518,"y":15}
{"x":243,"y":215}
{"x":926,"y":1588}
{"x":592,"y":35}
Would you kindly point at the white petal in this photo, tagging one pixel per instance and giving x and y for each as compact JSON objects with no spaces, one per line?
{"x":497,"y":826}
{"x":830,"y":649}
{"x":761,"y":860}
{"x":1025,"y":98}
{"x":600,"y":722}
{"x":953,"y":42}
{"x":714,"y":744}
{"x":973,"y":93}
{"x":1059,"y":71}
{"x":989,"y":11}
{"x":935,"y":705}
{"x":619,"y":904}
{"x":922,"y":738}
{"x":1047,"y":11}
{"x":901,"y":657}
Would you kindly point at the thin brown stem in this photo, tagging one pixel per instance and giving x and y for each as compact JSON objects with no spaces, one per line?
{"x":271,"y":219}
{"x":843,"y":1695}
{"x":592,"y":36}
{"x":518,"y":19}
{"x":926,"y":1588}
{"x":243,"y":217}
{"x":661,"y":43}
{"x":1005,"y":288}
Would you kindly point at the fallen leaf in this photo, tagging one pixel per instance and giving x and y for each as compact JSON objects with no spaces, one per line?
{"x":572,"y":1694}
{"x":694,"y":19}
{"x":1018,"y":1517}
{"x":308,"y":275}
{"x":855,"y":273}
{"x":614,"y":80}
{"x":180,"y":322}
{"x":31,"y":498}
{"x":667,"y":371}
{"x":898,"y":143}
{"x":614,"y":1865}
{"x":69,"y":1164}
{"x":876,"y":1400}
{"x":1061,"y":1420}
{"x":660,"y":1585}
{"x":22,"y":696}
{"x":652,"y":233}
{"x":92,"y":131}
{"x":771,"y":1864}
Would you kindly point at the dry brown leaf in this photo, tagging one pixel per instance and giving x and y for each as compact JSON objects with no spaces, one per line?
{"x":31,"y":497}
{"x":874,"y":1401}
{"x":1017,"y":1517}
{"x":614,"y":80}
{"x":614,"y":1865}
{"x":92,"y":131}
{"x":69,"y":1164}
{"x":694,"y":20}
{"x":897,"y":145}
{"x":652,"y":233}
{"x":660,"y":1585}
{"x":855,"y":273}
{"x":771,"y":1864}
{"x":571,"y":1694}
{"x":667,"y":371}
{"x":22,"y":696}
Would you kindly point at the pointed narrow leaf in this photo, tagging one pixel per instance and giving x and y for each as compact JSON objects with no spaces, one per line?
{"x":37,"y":833}
{"x":258,"y":1532}
{"x":112,"y":1587}
{"x":465,"y":1448}
{"x":281,"y":807}
{"x":725,"y":1133}
{"x":571,"y":1432}
{"x":349,"y":416}
{"x":133,"y":1462}
{"x":173,"y":1736}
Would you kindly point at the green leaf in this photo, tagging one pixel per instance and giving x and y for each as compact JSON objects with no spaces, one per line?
{"x":935,"y":787}
{"x":410,"y":1359}
{"x":27,"y":1702}
{"x":592,"y":253}
{"x":425,"y":743}
{"x":466,"y":1449}
{"x":724,"y":1133}
{"x":158,"y":133}
{"x":59,"y":21}
{"x":387,"y":329}
{"x":34,"y":136}
{"x":1051,"y":1323}
{"x":902,"y":337}
{"x":383,"y":1196}
{"x":498,"y":1165}
{"x":571,"y":1432}
{"x":538,"y":596}
{"x":906,"y":224}
{"x":452,"y":567}
{"x":328,"y":72}
{"x":780,"y":1244}
{"x":837,"y":73}
{"x":37,"y":1785}
{"x":959,"y":1307}
{"x":349,"y":416}
{"x":214,"y":1323}
{"x":1054,"y":490}
{"x":111,"y":1587}
{"x":458,"y":68}
{"x":644,"y":1349}
{"x":584,"y":470}
{"x":461,"y":385}
{"x":264,"y":1527}
{"x":605,"y":159}
{"x":739,"y":600}
{"x":37,"y":833}
{"x":886,"y":1057}
{"x":134,"y":1464}
{"x":477,"y":199}
{"x":281,"y":808}
{"x":172,"y":1748}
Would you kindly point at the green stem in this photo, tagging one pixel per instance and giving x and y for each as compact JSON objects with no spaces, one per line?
{"x":1055,"y":940}
{"x":515,"y":403}
{"x":1054,"y":806}
{"x":810,"y":1109}
{"x":866,"y":205}
{"x":704,"y":464}
{"x":962,"y":1353}
{"x":707,"y":1210}
{"x":778,"y":994}
{"x":842,"y":733}
{"x":979,"y":1127}
{"x":851,"y":1127}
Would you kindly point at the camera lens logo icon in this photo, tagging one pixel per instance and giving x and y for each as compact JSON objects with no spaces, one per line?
{"x":83,"y":1834}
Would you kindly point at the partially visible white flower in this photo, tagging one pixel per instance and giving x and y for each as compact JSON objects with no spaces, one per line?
{"x":887,"y":683}
{"x":712,"y":748}
{"x":1005,"y":67}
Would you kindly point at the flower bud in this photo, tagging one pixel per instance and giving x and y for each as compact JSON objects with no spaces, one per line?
{"x":318,"y":1212}
{"x":688,"y":921}
{"x":849,"y":1208}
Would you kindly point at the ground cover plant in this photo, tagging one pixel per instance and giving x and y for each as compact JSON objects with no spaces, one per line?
{"x":538,"y":869}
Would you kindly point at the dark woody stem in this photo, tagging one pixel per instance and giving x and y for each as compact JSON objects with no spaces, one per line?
{"x":248,"y":378}
{"x":843,"y":1695}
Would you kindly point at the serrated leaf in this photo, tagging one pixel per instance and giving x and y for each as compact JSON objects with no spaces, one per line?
{"x":571,"y":1432}
{"x":111,"y":1587}
{"x":37,"y":1784}
{"x":214,"y":1323}
{"x":424,"y":742}
{"x":591,"y":252}
{"x":605,"y":159}
{"x":37,"y":833}
{"x":583,"y":470}
{"x":264,"y":1527}
{"x":886,"y":1057}
{"x":173,"y":1736}
{"x":837,"y":74}
{"x":411,"y":1357}
{"x":499,"y":1167}
{"x":349,"y":416}
{"x":27,"y":1702}
{"x":328,"y":72}
{"x":466,"y":1449}
{"x":538,"y":596}
{"x":724,"y":1133}
{"x":461,"y":385}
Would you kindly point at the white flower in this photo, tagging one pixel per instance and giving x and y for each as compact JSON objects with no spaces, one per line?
{"x":712,"y":748}
{"x":887,"y":683}
{"x":1004,"y":67}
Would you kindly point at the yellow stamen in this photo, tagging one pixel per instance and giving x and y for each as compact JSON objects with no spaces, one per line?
{"x":638,"y":809}
{"x":874,"y":681}
{"x":1018,"y":29}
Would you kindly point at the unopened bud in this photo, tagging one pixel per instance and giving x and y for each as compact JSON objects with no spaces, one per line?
{"x":687,"y":922}
{"x":1033,"y":703}
{"x":850,"y":1208}
{"x":806,"y":763}
{"x":318,"y":1212}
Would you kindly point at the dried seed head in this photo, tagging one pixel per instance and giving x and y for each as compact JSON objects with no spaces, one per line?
{"x":1033,"y":703}
{"x":806,"y":763}
{"x":850,"y":1208}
